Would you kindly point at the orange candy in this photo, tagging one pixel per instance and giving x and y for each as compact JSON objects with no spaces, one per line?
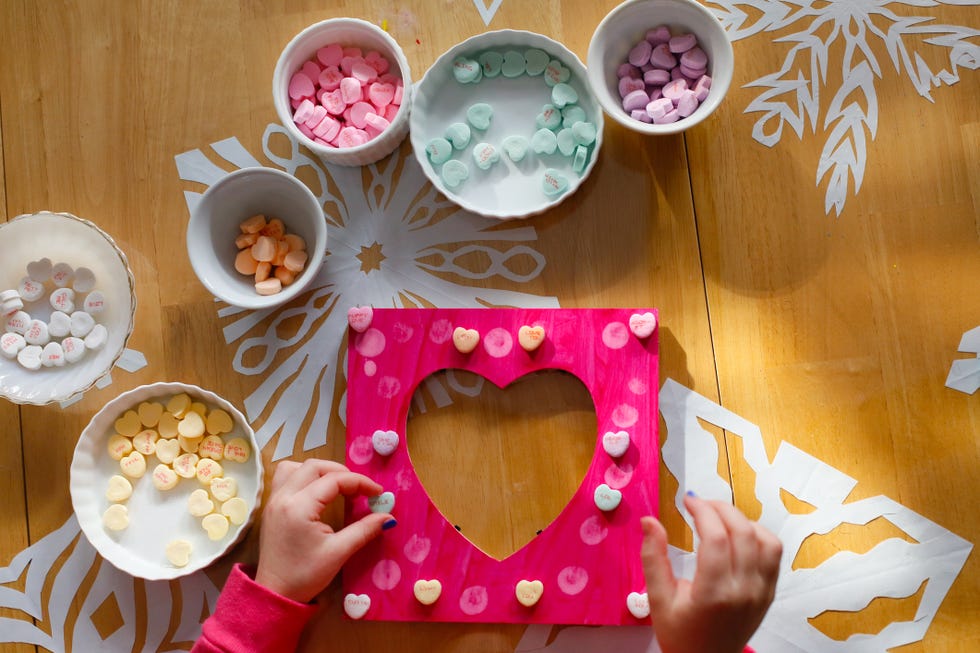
{"x":267,"y":253}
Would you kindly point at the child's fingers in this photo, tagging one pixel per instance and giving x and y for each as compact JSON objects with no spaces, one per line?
{"x":323,"y":490}
{"x":714,"y":552}
{"x":661,"y":583}
{"x":350,"y":539}
{"x":309,"y":470}
{"x":743,"y":541}
{"x":283,"y":471}
{"x":770,"y":555}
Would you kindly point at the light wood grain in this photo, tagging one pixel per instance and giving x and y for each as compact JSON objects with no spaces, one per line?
{"x":834,"y":334}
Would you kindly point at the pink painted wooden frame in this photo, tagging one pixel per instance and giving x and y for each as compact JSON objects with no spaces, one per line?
{"x":587,"y":559}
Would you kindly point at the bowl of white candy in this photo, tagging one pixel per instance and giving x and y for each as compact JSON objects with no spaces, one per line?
{"x":67,"y":303}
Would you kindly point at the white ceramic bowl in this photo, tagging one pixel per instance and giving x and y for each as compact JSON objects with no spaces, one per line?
{"x":215,"y":221}
{"x":508,"y":189}
{"x":347,"y":32}
{"x":63,"y":237}
{"x":155,"y":517}
{"x":625,"y":26}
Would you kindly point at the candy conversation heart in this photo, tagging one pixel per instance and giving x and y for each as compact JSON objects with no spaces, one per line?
{"x":118,"y":489}
{"x":215,"y":525}
{"x":606,"y":498}
{"x":236,"y":510}
{"x":465,"y":339}
{"x":529,"y":592}
{"x":454,"y":173}
{"x":359,"y":318}
{"x":224,"y":488}
{"x":530,"y":337}
{"x":427,"y":591}
{"x":638,"y":603}
{"x":616,"y":443}
{"x":384,"y":442}
{"x":178,"y":552}
{"x":515,"y":147}
{"x":356,"y":605}
{"x":149,"y":413}
{"x":643,"y":324}
{"x":479,"y":115}
{"x":384,"y":502}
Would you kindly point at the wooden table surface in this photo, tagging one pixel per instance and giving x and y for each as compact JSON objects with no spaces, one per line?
{"x":832,"y":333}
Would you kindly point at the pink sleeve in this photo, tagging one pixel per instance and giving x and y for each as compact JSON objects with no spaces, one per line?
{"x":748,"y":649}
{"x":251,"y":618}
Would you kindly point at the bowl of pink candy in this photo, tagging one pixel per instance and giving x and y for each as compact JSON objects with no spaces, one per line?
{"x":342,"y":87}
{"x":660,"y":66}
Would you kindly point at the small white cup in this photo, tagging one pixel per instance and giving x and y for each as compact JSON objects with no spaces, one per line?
{"x":625,"y":26}
{"x":215,"y":221}
{"x":351,"y":32}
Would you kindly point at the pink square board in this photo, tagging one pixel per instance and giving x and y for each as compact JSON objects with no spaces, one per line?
{"x":587,"y":559}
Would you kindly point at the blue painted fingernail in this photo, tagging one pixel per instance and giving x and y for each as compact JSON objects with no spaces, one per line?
{"x":388,"y":525}
{"x":690,"y":493}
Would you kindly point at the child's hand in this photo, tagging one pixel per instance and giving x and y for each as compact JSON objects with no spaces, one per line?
{"x":738,"y":563}
{"x":299,"y":554}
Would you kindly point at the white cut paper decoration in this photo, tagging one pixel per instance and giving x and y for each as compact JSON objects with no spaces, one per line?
{"x":792,"y":93}
{"x":396,"y":219}
{"x":964,"y":373}
{"x":847,"y":581}
{"x":39,"y":562}
{"x":487,"y":12}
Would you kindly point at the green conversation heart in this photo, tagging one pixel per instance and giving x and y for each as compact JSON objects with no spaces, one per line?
{"x":571,"y":115}
{"x":515,"y":147}
{"x":566,"y":142}
{"x":458,"y":134}
{"x":554,"y":183}
{"x":562,"y":94}
{"x":584,"y":133}
{"x":485,"y":155}
{"x":556,"y":73}
{"x":439,"y":150}
{"x":454,"y":173}
{"x":514,"y":64}
{"x":537,"y":61}
{"x":544,"y":141}
{"x":549,"y":118}
{"x":491,"y":62}
{"x":467,"y":71}
{"x":581,"y":156}
{"x":479,"y":115}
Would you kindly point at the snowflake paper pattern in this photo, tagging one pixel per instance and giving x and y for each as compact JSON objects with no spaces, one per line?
{"x":846,"y":581}
{"x":792,"y":94}
{"x":391,"y":242}
{"x":60,"y":562}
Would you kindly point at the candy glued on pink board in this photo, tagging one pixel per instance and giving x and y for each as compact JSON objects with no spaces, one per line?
{"x":587,"y":559}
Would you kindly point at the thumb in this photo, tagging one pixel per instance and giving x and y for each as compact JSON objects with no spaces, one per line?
{"x":661,"y":583}
{"x":352,"y":538}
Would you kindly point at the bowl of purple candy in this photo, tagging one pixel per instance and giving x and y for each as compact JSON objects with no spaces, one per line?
{"x":660,"y":66}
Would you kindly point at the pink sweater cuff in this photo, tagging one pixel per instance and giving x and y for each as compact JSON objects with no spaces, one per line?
{"x":251,"y":618}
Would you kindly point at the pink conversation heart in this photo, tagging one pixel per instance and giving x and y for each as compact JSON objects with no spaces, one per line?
{"x":643,"y":324}
{"x":359,"y":318}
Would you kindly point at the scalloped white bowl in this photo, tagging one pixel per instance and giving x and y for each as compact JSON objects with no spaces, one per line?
{"x":508,"y":189}
{"x":155,"y":517}
{"x":63,"y":237}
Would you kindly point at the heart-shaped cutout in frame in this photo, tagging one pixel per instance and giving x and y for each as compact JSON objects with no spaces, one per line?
{"x":587,"y":559}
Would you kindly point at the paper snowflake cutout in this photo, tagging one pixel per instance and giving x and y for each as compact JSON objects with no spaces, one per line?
{"x":390,"y":243}
{"x":792,"y":94}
